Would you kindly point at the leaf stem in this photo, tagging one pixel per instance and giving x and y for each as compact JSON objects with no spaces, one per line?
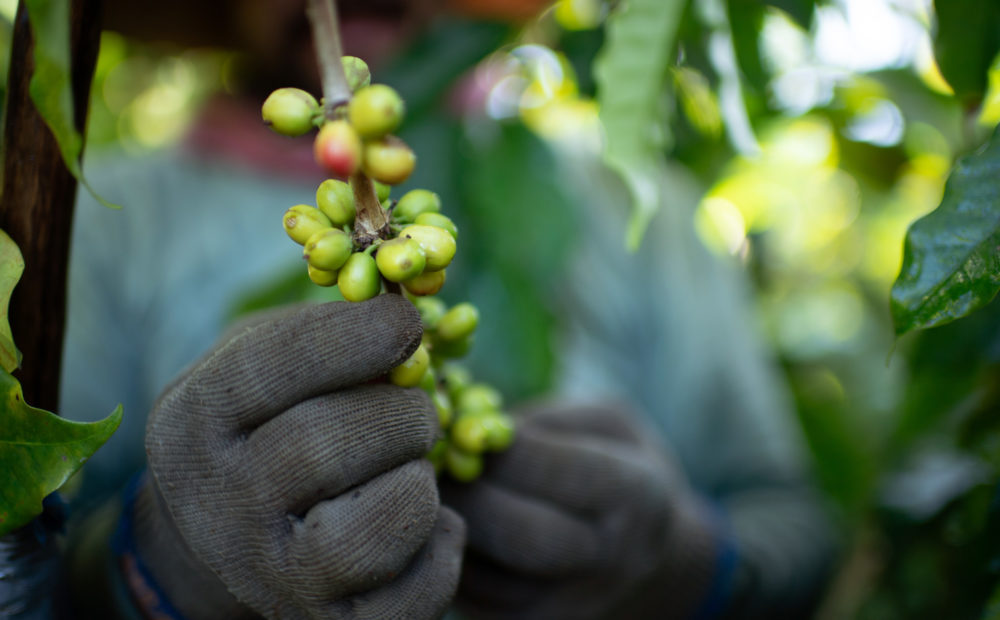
{"x":326,"y":39}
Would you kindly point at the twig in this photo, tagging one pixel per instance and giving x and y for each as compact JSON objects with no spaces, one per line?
{"x":326,"y":39}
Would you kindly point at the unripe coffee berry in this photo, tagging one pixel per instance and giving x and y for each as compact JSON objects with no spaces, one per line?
{"x":290,"y":111}
{"x":436,"y":243}
{"x":478,"y":397}
{"x":439,"y":220}
{"x":427,"y":283}
{"x":410,"y":372}
{"x":415,"y":202}
{"x":458,"y":323}
{"x":356,"y":71}
{"x":338,"y":148}
{"x":431,"y":310}
{"x":499,"y":431}
{"x":322,"y":277}
{"x":436,"y":455}
{"x":328,"y":249}
{"x":375,"y":111}
{"x":469,"y":433}
{"x":358,"y":279}
{"x":382,"y":191}
{"x":336,"y":200}
{"x":400,"y":259}
{"x":389,"y":160}
{"x":444,"y":409}
{"x":461,"y":465}
{"x":302,"y":221}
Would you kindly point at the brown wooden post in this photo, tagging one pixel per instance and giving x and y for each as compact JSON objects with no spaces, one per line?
{"x":36,"y":203}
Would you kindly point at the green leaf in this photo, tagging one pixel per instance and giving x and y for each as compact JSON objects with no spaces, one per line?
{"x":11,"y":267}
{"x":992,"y":610}
{"x":631,"y":74}
{"x":951,"y":258}
{"x":39,"y":451}
{"x":51,"y":85}
{"x":966,"y":41}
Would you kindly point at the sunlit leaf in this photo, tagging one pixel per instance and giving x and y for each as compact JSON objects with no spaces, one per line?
{"x":51,"y":85}
{"x":39,"y":451}
{"x":11,"y":267}
{"x":631,"y":74}
{"x":951,"y":258}
{"x":967,"y":39}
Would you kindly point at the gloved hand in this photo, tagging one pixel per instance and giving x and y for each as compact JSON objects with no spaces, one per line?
{"x":583,"y":517}
{"x":287,"y":474}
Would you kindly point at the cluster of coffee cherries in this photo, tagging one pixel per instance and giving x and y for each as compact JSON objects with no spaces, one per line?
{"x":409,"y":250}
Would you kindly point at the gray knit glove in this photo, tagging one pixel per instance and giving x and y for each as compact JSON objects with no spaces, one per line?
{"x":284,"y":465}
{"x":583,"y":517}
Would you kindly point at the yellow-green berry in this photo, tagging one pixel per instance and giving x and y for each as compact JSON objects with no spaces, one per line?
{"x":375,"y":111}
{"x":458,"y":323}
{"x":336,"y":200}
{"x":356,"y":71}
{"x":302,"y":221}
{"x":431,"y":310}
{"x":499,"y":431}
{"x":469,"y":433}
{"x":358,"y":279}
{"x":461,"y":465}
{"x":290,"y":111}
{"x":388,"y":160}
{"x":439,"y":220}
{"x":415,"y":202}
{"x":427,"y":283}
{"x":410,"y":372}
{"x":328,"y":249}
{"x":436,"y":243}
{"x":400,"y":259}
{"x":322,"y":277}
{"x":478,"y":397}
{"x":382,"y":191}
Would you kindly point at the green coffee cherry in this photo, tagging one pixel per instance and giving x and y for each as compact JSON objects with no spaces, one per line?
{"x":455,"y":378}
{"x":321,"y":277}
{"x":415,"y":202}
{"x":290,"y":111}
{"x":328,"y":249}
{"x":436,"y":243}
{"x":478,"y":397}
{"x":302,"y":221}
{"x":356,"y":71}
{"x":499,"y":431}
{"x":427,"y":283}
{"x":428,"y":382}
{"x":375,"y":111}
{"x":358,"y":279}
{"x":410,"y":372}
{"x":431,"y":310}
{"x":469,"y":433}
{"x":388,"y":160}
{"x":461,"y":465}
{"x":458,"y":323}
{"x":451,"y":349}
{"x":436,"y":455}
{"x":338,"y":148}
{"x":400,"y":259}
{"x":444,"y":409}
{"x":382,"y":191}
{"x":439,"y":220}
{"x":336,"y":200}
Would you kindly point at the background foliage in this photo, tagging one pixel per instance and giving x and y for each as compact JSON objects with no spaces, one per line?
{"x":821,"y":131}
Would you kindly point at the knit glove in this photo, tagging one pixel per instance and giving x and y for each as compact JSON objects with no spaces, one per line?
{"x":583,"y":517}
{"x":289,"y":476}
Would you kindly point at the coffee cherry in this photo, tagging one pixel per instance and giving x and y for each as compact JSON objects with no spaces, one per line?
{"x":382,"y":191}
{"x":439,"y":220}
{"x":469,"y":433}
{"x":338,"y":148}
{"x":356,"y":71}
{"x":358,"y":279}
{"x":461,"y":465}
{"x":290,"y":111}
{"x":302,"y":221}
{"x":427,"y":283}
{"x":444,"y":408}
{"x":499,"y":431}
{"x":436,"y":244}
{"x":450,"y":349}
{"x":336,"y":200}
{"x":328,"y":249}
{"x":400,"y":259}
{"x":458,"y":323}
{"x":436,"y":455}
{"x":322,"y":277}
{"x":410,"y":372}
{"x":478,"y":397}
{"x":455,"y":378}
{"x":431,"y":310}
{"x":388,"y":160}
{"x":415,"y":202}
{"x":375,"y":111}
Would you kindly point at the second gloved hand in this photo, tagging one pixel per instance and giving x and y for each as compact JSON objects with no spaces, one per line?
{"x":285,"y":468}
{"x":583,"y":517}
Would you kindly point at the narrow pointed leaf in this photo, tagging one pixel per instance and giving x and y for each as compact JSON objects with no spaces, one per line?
{"x":39,"y":451}
{"x":51,"y":85}
{"x":631,"y":74}
{"x":11,"y":267}
{"x":951,"y":257}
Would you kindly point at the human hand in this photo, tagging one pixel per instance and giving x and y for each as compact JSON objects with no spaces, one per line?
{"x":583,"y":517}
{"x":285,"y":467}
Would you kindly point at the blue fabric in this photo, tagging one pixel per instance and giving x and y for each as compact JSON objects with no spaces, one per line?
{"x":720,"y":589}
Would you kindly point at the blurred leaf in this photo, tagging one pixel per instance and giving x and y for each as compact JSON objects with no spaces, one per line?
{"x":951,"y":258}
{"x":631,"y":74}
{"x":801,"y":11}
{"x":51,"y":85}
{"x":966,"y":41}
{"x":992,"y":611}
{"x":39,"y":451}
{"x":11,"y":268}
